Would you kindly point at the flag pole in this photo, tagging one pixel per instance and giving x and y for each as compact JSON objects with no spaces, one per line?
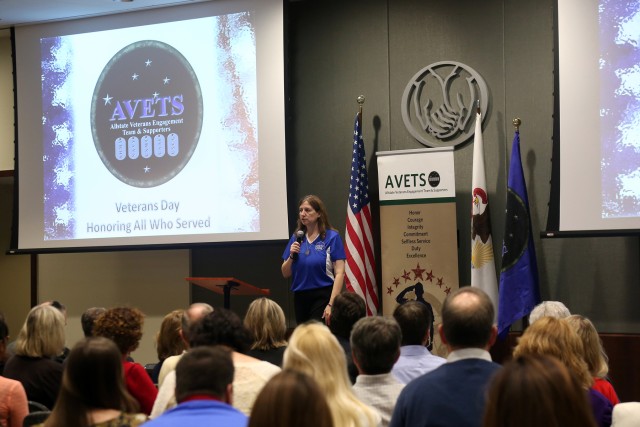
{"x":516,"y":123}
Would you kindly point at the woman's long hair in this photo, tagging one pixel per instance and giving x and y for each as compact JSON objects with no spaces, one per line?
{"x":42,"y":334}
{"x":554,"y":337}
{"x":537,"y":390}
{"x":594,"y":353}
{"x":315,"y":351}
{"x":323,"y":217}
{"x":266,"y":323}
{"x":291,"y":399}
{"x":93,"y":379}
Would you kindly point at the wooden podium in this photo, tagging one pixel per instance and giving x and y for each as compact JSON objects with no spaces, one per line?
{"x":227,"y":286}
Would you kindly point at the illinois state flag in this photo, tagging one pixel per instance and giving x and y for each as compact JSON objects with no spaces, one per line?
{"x":519,"y":290}
{"x":483,"y":268}
{"x":360,"y":268}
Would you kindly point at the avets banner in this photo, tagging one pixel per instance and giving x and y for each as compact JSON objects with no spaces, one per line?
{"x":418,"y":230}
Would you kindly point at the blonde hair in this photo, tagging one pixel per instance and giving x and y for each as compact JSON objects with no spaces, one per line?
{"x":550,"y":336}
{"x":266,"y":323}
{"x":42,"y":334}
{"x":594,"y":353}
{"x":315,"y":351}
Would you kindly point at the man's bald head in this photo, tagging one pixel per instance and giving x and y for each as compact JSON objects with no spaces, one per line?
{"x":467,"y":318}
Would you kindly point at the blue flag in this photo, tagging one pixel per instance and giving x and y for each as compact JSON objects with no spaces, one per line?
{"x":519,"y":291}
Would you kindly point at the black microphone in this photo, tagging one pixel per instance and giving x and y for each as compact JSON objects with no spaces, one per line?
{"x":299,"y":236}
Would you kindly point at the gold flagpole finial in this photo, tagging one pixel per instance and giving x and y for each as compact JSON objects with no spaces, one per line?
{"x":360,"y":100}
{"x":516,"y":123}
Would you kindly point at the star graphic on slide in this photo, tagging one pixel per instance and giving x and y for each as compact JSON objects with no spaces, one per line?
{"x":107,"y":99}
{"x":155,"y":95}
{"x":166,"y":80}
{"x":134,"y":76}
{"x":440,"y":279}
{"x":418,"y":272}
{"x":406,"y":276}
{"x":147,"y":169}
{"x":447,"y":290}
{"x":430,"y":276}
{"x":148,"y":62}
{"x":396,"y":281}
{"x":389,"y":290}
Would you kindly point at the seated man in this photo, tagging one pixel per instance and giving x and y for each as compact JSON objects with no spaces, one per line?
{"x":204,"y":390}
{"x":454,"y":394}
{"x":415,"y":359}
{"x":348,"y":308}
{"x":375,"y":344}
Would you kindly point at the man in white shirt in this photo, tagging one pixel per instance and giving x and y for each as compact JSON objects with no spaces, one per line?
{"x":375,"y":345}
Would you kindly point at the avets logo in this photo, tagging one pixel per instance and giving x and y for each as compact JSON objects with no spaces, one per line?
{"x":146,"y":113}
{"x":412,"y":180}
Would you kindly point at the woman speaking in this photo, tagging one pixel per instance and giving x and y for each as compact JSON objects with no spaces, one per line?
{"x":314,"y":258}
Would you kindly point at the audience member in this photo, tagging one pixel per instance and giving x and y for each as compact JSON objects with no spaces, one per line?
{"x":549,"y":309}
{"x":93,"y":392}
{"x":291,"y":399}
{"x":40,"y":340}
{"x":454,"y":394}
{"x":347,"y":309}
{"x":533,"y":391}
{"x":13,"y":399}
{"x":223,"y":327}
{"x":375,"y":343}
{"x":123,"y":325}
{"x":267,"y":326}
{"x":315,"y":351}
{"x":88,"y":319}
{"x":594,"y":355}
{"x":204,"y":391}
{"x":418,"y":292}
{"x":194,"y":313}
{"x":554,"y":337}
{"x":626,"y":414}
{"x":415,"y":359}
{"x":169,"y":342}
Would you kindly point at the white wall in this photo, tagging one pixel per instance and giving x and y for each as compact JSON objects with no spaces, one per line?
{"x":152,"y":281}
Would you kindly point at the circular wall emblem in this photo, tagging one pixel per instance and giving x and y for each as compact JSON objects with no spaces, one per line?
{"x":440,"y":101}
{"x":146,"y":113}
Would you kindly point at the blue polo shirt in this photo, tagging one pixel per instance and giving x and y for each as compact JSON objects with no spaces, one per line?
{"x":314,"y":267}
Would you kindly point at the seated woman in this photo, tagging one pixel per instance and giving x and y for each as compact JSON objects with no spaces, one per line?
{"x":223,"y":327}
{"x":169,"y":342}
{"x":534,"y":390}
{"x":40,"y":340}
{"x":13,"y":399}
{"x":594,"y":355}
{"x":554,"y":337}
{"x":314,"y":350}
{"x":266,"y":323}
{"x":291,"y":399}
{"x":123,"y":326}
{"x":93,"y":393}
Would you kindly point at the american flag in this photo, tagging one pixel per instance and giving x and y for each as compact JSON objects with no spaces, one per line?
{"x":360,"y":266}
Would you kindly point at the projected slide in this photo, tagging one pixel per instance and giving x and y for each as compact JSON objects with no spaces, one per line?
{"x":620,"y":107}
{"x":151,"y":130}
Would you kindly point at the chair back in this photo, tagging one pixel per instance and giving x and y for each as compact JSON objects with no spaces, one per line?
{"x":36,"y":406}
{"x":34,"y":418}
